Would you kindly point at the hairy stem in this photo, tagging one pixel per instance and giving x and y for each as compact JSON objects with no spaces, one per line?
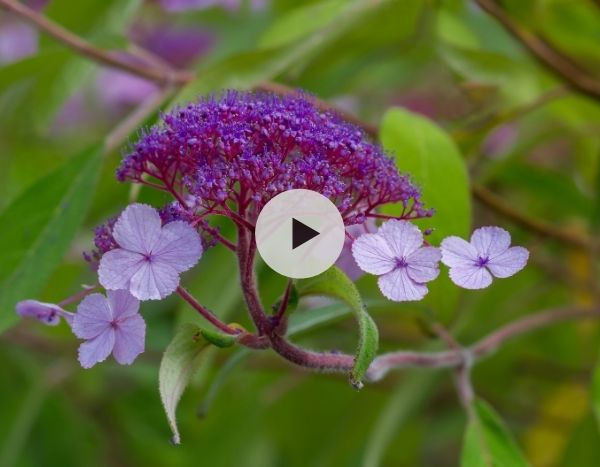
{"x":246,"y":251}
{"x":205,"y":313}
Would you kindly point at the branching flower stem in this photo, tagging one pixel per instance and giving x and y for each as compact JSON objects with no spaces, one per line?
{"x":268,"y":334}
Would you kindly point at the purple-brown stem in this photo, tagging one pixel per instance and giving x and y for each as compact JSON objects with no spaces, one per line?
{"x":205,"y":313}
{"x":79,"y":295}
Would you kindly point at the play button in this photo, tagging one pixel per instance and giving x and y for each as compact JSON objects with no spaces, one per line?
{"x":300,"y":233}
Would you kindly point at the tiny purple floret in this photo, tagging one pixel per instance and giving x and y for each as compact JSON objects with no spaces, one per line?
{"x":109,"y":325}
{"x":489,"y":253}
{"x":396,"y":254}
{"x":150,"y":257}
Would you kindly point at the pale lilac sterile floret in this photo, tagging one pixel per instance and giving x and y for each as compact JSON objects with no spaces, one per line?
{"x":489,"y":253}
{"x":396,"y":254}
{"x":150,"y":257}
{"x":109,"y":325}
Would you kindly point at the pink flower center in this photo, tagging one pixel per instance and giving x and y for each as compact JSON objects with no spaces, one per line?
{"x":401,"y":263}
{"x":482,"y":261}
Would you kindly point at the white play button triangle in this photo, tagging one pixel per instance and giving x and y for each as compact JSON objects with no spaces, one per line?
{"x":307,"y":222}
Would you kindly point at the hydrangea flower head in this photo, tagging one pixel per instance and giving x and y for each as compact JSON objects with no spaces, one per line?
{"x":489,"y":253}
{"x":396,"y":254}
{"x":48,"y":313}
{"x":149,"y":257}
{"x":241,"y":149}
{"x":109,"y":325}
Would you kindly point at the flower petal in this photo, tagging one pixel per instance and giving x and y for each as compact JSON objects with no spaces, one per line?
{"x":490,"y":241}
{"x":399,"y":287}
{"x":179,"y":246}
{"x":508,"y":263}
{"x":457,"y":252}
{"x":471,"y":277}
{"x":372,"y":254}
{"x":154,"y":281}
{"x":130,"y":336}
{"x":117,"y":267}
{"x":97,"y":349}
{"x":93,"y":317}
{"x":403,"y":237}
{"x":47,"y":313}
{"x":423,"y":264}
{"x":138,"y":228}
{"x":122,"y":303}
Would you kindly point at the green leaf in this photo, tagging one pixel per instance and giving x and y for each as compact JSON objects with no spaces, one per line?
{"x":38,"y":227}
{"x":488,"y":443}
{"x":334,"y":283}
{"x":181,"y":360}
{"x":218,"y":338}
{"x":301,"y":22}
{"x":427,"y":153}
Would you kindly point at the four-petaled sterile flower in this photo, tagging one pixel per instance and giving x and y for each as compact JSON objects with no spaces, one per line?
{"x":109,"y":325}
{"x":396,"y":253}
{"x":150,"y":257}
{"x":489,"y":253}
{"x":48,"y":313}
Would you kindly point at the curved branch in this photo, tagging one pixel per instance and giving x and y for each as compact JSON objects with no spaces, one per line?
{"x":77,"y":43}
{"x":534,"y":225}
{"x":548,"y":56}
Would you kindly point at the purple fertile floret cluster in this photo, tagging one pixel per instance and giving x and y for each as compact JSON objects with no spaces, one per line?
{"x":241,"y":149}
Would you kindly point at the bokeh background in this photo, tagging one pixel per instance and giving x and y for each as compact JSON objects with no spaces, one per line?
{"x":524,"y":133}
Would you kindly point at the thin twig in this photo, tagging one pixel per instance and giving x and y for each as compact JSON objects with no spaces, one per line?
{"x":552,"y":59}
{"x":481,"y":349}
{"x":205,"y":313}
{"x":535,"y":225}
{"x":77,"y":43}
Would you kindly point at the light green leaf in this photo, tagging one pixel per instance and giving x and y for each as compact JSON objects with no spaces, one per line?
{"x":218,"y":338}
{"x":301,"y":22}
{"x":427,"y":153}
{"x":334,"y":283}
{"x":38,"y":227}
{"x":488,"y":443}
{"x":181,"y":360}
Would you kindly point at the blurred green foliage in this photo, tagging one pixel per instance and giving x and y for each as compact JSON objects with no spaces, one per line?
{"x":514,"y":128}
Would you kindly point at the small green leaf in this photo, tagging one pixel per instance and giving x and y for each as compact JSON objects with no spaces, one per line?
{"x":181,"y":360}
{"x":218,"y":338}
{"x":430,"y":157}
{"x":334,"y":283}
{"x":488,"y":443}
{"x":38,"y":227}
